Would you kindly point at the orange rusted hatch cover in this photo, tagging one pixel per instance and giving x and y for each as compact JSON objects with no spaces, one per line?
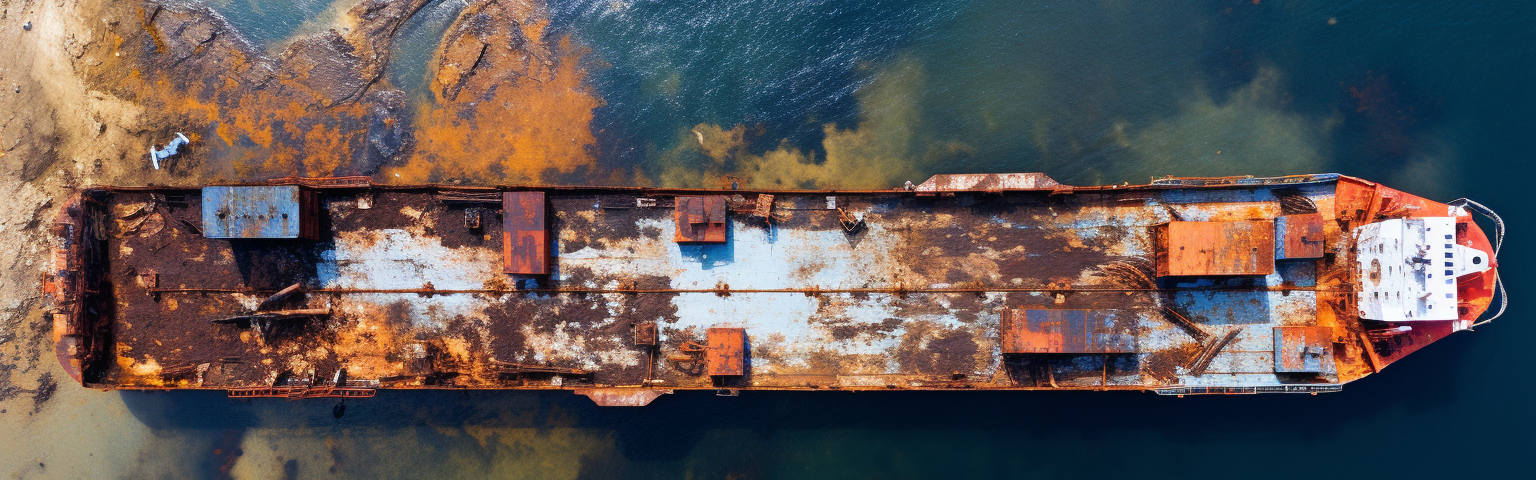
{"x":1063,"y":331}
{"x":1216,"y":248}
{"x":727,"y":351}
{"x":700,"y":219}
{"x":525,"y":249}
{"x":1301,"y":236}
{"x":1304,"y":350}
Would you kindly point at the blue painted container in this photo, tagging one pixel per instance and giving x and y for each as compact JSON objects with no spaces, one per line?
{"x":261,"y":211}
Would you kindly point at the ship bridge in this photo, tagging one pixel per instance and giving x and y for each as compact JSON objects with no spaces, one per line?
{"x":1408,"y":268}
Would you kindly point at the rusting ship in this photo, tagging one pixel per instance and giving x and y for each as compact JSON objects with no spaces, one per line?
{"x":336,"y":287}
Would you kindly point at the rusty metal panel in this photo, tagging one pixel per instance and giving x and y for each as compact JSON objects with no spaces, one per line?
{"x":727,"y":351}
{"x":264,"y":211}
{"x":645,"y":334}
{"x":986,"y":182}
{"x":1062,"y":331}
{"x":1030,"y":331}
{"x":622,"y":396}
{"x":1303,"y":349}
{"x":1106,"y":337}
{"x":309,"y":214}
{"x":1216,"y":248}
{"x":525,"y":245}
{"x":764,"y":206}
{"x":695,"y":210}
{"x":716,"y":213}
{"x":1300,"y":236}
{"x":700,"y":219}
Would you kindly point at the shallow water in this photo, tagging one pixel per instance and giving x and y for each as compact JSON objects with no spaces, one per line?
{"x":416,"y":43}
{"x":1432,"y":97}
{"x":271,"y":24}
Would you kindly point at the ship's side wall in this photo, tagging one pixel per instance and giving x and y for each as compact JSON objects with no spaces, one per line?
{"x":407,"y":288}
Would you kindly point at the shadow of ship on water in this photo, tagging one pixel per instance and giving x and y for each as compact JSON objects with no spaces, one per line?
{"x":671,"y":428}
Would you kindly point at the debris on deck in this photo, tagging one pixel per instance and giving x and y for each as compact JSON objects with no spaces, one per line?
{"x":302,"y":288}
{"x":158,"y":154}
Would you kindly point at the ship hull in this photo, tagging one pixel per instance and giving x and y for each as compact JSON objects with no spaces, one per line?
{"x":622,"y":294}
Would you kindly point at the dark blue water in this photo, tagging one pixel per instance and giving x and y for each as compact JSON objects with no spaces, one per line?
{"x":1433,"y":97}
{"x":789,"y":66}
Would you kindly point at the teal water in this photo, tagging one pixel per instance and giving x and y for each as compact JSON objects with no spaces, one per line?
{"x":270,"y":23}
{"x":1432,"y":97}
{"x":417,"y":42}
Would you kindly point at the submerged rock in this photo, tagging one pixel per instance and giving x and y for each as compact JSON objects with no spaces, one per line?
{"x":313,"y":109}
{"x":328,"y":66}
{"x":506,"y":103}
{"x":487,"y":44}
{"x":388,"y":132}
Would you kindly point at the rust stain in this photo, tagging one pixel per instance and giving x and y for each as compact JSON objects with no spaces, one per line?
{"x":508,"y":104}
{"x":1303,"y":349}
{"x":1062,"y":331}
{"x":700,"y":219}
{"x":1216,"y":248}
{"x":306,"y":112}
{"x":525,"y":246}
{"x":726,"y":354}
{"x":516,"y":110}
{"x":149,"y":27}
{"x":1301,"y":236}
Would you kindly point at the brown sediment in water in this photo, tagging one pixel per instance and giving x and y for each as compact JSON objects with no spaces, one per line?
{"x":316,"y":109}
{"x":884,"y":149}
{"x":508,"y":104}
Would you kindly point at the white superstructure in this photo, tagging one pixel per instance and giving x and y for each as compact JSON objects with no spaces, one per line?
{"x":1408,"y":268}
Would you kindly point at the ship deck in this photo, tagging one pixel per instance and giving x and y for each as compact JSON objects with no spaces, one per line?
{"x":913,"y":300}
